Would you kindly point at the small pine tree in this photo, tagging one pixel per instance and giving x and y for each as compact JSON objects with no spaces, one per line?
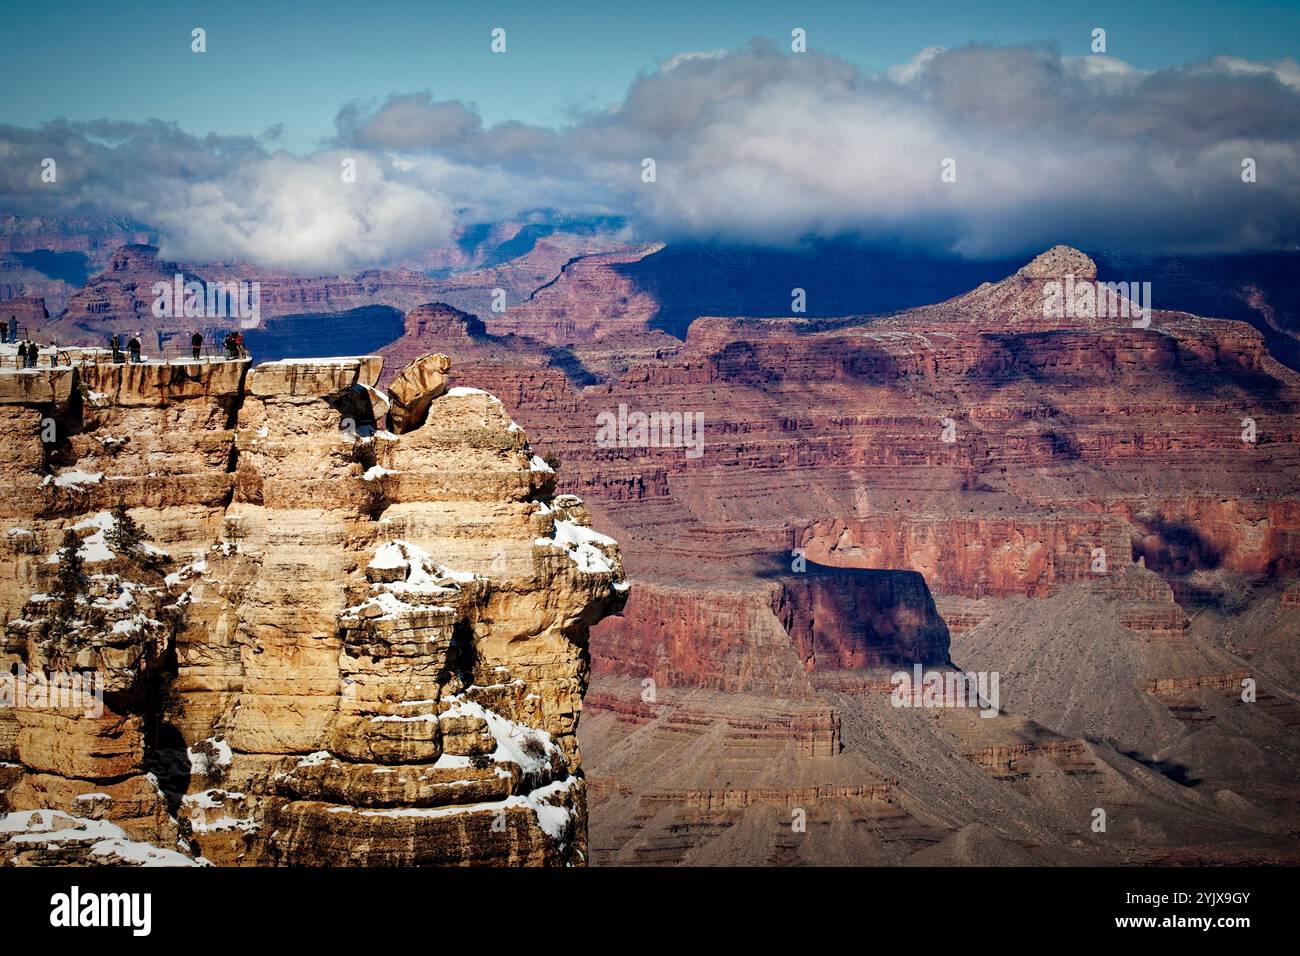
{"x":233,"y":532}
{"x":126,"y":535}
{"x":71,"y":580}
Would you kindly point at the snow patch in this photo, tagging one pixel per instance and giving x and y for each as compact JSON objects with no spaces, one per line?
{"x":583,"y":545}
{"x":199,"y":761}
{"x":55,"y":828}
{"x":461,"y":391}
{"x":74,"y":479}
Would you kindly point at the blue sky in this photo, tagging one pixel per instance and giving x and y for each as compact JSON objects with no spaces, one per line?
{"x":296,"y":62}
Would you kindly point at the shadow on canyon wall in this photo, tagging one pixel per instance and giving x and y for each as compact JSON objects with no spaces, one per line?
{"x":324,"y":335}
{"x":848,"y":618}
{"x":1174,"y":547}
{"x":70,"y":267}
{"x":840,"y":278}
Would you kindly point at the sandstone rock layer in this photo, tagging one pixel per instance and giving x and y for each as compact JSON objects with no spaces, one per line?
{"x":342,"y":645}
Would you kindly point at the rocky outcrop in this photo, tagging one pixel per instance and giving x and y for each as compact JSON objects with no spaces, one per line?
{"x":724,"y":638}
{"x":342,"y":646}
{"x":411,"y":393}
{"x":121,"y":299}
{"x":442,"y":322}
{"x":28,"y":311}
{"x":588,"y":300}
{"x":85,"y":671}
{"x":770,"y":638}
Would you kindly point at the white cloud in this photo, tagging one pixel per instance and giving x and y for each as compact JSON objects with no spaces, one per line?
{"x":753,"y":145}
{"x":907,"y":74}
{"x":299,"y":215}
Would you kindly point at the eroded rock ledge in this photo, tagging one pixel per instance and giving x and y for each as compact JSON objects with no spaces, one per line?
{"x":343,"y":645}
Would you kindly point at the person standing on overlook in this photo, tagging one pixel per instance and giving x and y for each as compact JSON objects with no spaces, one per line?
{"x":196,"y":343}
{"x":133,"y":347}
{"x":21,"y":361}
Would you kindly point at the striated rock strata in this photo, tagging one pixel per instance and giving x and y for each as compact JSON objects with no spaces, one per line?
{"x":336,"y":644}
{"x":1103,"y":510}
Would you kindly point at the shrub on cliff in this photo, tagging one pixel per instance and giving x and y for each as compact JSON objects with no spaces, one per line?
{"x":70,"y":584}
{"x":125,"y":536}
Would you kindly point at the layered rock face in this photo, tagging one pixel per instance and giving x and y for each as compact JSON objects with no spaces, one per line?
{"x":121,"y":298}
{"x":1103,"y":514}
{"x":995,"y":448}
{"x":96,"y":238}
{"x":342,"y":646}
{"x":769,"y":638}
{"x":1114,"y":472}
{"x":48,"y":258}
{"x":29,"y":311}
{"x":561,"y":311}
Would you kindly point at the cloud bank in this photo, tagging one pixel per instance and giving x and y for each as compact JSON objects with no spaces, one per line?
{"x":752,"y":145}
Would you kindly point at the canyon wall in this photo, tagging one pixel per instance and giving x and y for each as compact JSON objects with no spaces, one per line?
{"x":1075,"y":484}
{"x":338,"y":645}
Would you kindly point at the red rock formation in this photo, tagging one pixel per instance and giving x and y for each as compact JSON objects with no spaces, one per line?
{"x":98,"y":239}
{"x":589,"y":299}
{"x":1086,"y":453}
{"x":1014,"y":460}
{"x":29,"y":311}
{"x":443,"y":322}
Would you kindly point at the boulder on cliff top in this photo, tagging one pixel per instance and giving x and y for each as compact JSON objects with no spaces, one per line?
{"x":412,"y":392}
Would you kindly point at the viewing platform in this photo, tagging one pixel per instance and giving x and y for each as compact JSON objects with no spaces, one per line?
{"x":101,"y":381}
{"x":64,"y":355}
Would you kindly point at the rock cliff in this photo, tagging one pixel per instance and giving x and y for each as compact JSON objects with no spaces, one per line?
{"x":324,"y":643}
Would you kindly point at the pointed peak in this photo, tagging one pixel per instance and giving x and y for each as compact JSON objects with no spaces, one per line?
{"x":1057,"y":262}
